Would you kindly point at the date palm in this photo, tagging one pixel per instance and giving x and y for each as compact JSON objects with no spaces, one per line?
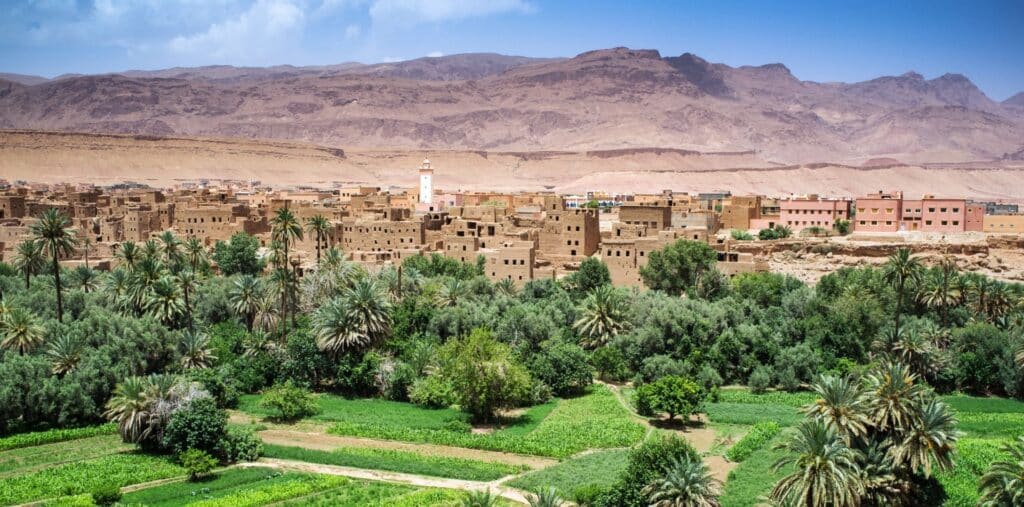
{"x":188,"y":280}
{"x":913,"y":349}
{"x":195,"y":252}
{"x":506,"y":287}
{"x":20,"y":331}
{"x":65,"y":352}
{"x":29,"y":260}
{"x":333,"y":257}
{"x":827,"y":472}
{"x":266,"y":312}
{"x":356,"y":319}
{"x":245,"y":298}
{"x":901,"y":271}
{"x":1018,"y":355}
{"x":129,"y":407}
{"x":286,"y":229}
{"x":283,"y":280}
{"x":1003,"y":482}
{"x":170,"y":248}
{"x":164,"y":301}
{"x":1000,"y":302}
{"x":841,"y":405}
{"x":687,"y":483}
{"x":152,"y":250}
{"x":129,"y":254}
{"x":930,"y":441}
{"x":195,"y":350}
{"x":117,"y":289}
{"x":894,"y":394}
{"x":86,"y":248}
{"x":941,"y":292}
{"x":545,"y":498}
{"x":318,"y":227}
{"x":450,"y":293}
{"x":602,"y":316}
{"x":53,"y":233}
{"x":86,"y":278}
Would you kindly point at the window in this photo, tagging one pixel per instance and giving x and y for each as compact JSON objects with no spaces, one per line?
{"x":956,"y":222}
{"x":944,"y":222}
{"x":927,"y":222}
{"x":942,"y":210}
{"x":931,"y":210}
{"x":956,"y":210}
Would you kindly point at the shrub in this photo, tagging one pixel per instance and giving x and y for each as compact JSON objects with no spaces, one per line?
{"x":672,"y":395}
{"x":108,"y":494}
{"x":589,"y":495}
{"x":609,"y":363}
{"x":198,"y":425}
{"x":457,"y":426}
{"x":740,"y":235}
{"x":239,"y":445}
{"x":760,"y":379}
{"x":646,"y":464}
{"x":290,"y":401}
{"x":563,"y":367}
{"x":198,"y":463}
{"x":788,"y":380}
{"x":758,"y":436}
{"x":431,"y":391}
{"x":483,"y":375}
{"x":219,"y":383}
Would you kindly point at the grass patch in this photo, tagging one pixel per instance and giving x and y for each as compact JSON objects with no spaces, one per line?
{"x":84,"y":476}
{"x":991,"y":424}
{"x":973,"y":457}
{"x":396,"y":461}
{"x":379,"y":494}
{"x":275,"y":489}
{"x":25,"y":459}
{"x":601,"y":468}
{"x":593,"y":421}
{"x":796,"y":400}
{"x":51,"y":436}
{"x":754,"y":440}
{"x":750,"y":414}
{"x":754,"y":478}
{"x":223,"y":483}
{"x":366,"y":411}
{"x":983,"y":405}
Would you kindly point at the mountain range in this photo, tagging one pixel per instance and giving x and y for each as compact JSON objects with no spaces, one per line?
{"x":611,"y":99}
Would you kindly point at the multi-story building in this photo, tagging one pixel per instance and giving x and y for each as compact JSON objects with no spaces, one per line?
{"x":799,"y":214}
{"x":890,"y":212}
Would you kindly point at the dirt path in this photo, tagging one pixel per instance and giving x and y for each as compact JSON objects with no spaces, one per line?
{"x":400,"y":478}
{"x":322,"y":442}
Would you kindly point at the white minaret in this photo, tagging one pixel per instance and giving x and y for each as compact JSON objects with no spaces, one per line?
{"x":426,"y":184}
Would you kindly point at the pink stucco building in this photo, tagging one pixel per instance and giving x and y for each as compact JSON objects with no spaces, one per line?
{"x":799,"y":214}
{"x":890,"y":212}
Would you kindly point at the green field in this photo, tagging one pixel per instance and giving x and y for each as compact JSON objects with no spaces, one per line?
{"x":600,"y":468}
{"x":396,"y":461}
{"x":366,"y":411}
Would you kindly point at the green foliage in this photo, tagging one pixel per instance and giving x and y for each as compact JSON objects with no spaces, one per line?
{"x":760,"y":379}
{"x":742,"y":413}
{"x":197,"y":463}
{"x":974,"y":456}
{"x":238,"y":255}
{"x":271,"y":491}
{"x":57,"y":435}
{"x":563,"y":367}
{"x":365,"y":411}
{"x":238,"y":445}
{"x":749,"y":483}
{"x":646,"y":464}
{"x":437,"y":265}
{"x":671,"y":395}
{"x":842,"y":226}
{"x":592,"y":274}
{"x":596,"y":471}
{"x":777,"y":232}
{"x":84,"y":476}
{"x":740,"y":235}
{"x":107,"y":494}
{"x":483,"y":374}
{"x":397,"y":461}
{"x":289,"y":402}
{"x":755,"y":439}
{"x":432,"y":391}
{"x":678,"y":267}
{"x":200,"y":425}
{"x":609,"y":363}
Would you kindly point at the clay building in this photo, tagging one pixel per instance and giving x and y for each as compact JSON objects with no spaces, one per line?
{"x":511,"y":260}
{"x":570,"y":234}
{"x":739,"y":211}
{"x":1004,"y":224}
{"x":802,"y":213}
{"x":654,"y":217}
{"x":12,"y":206}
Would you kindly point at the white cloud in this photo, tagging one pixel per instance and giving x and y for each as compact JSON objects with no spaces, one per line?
{"x":405,"y":12}
{"x":353,"y":32}
{"x":267,"y":29}
{"x":435,"y":54}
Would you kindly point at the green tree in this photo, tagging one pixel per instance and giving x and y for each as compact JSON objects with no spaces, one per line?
{"x":827,"y":472}
{"x":1003,"y":482}
{"x":53,"y":233}
{"x":20,"y":331}
{"x":563,"y":367}
{"x":286,"y":229}
{"x":901,"y":271}
{"x":195,"y":253}
{"x":359,"y":318}
{"x":197,"y":425}
{"x":484,"y":375}
{"x":29,"y":260}
{"x":318,"y":227}
{"x":672,"y":395}
{"x":842,"y":226}
{"x":129,"y":254}
{"x":245,"y":298}
{"x":687,"y":483}
{"x":164,"y":301}
{"x":678,"y":267}
{"x":195,"y":350}
{"x":238,"y":255}
{"x":602,"y":316}
{"x":842,"y":405}
{"x":289,"y":401}
{"x":592,"y":274}
{"x":65,"y":352}
{"x":198,"y":463}
{"x":647,"y":464}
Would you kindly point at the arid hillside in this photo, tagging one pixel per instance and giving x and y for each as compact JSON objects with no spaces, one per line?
{"x":601,"y":100}
{"x":158,"y":161}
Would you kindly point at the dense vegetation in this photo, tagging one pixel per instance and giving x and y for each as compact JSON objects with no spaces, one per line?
{"x":166,"y":341}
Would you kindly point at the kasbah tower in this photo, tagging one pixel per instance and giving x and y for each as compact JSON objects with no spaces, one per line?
{"x":426,"y":182}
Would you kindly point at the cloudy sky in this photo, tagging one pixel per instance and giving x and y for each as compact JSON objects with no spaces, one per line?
{"x":821,"y":40}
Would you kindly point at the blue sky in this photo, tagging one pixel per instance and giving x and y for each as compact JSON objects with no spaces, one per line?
{"x":823,"y":40}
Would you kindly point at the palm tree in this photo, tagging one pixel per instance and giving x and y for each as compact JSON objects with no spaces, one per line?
{"x":999,"y":302}
{"x":151,"y":250}
{"x":841,"y":405}
{"x":687,"y":483}
{"x":117,"y":289}
{"x":195,"y":252}
{"x":30,"y":260}
{"x":129,"y":407}
{"x":826,"y":473}
{"x":333,"y":257}
{"x":1003,"y":482}
{"x":86,"y":246}
{"x":164,"y":300}
{"x":170,"y":247}
{"x":914,"y":350}
{"x":52,"y":231}
{"x":940,"y":292}
{"x":129,"y":254}
{"x":506,"y":287}
{"x":266,"y":312}
{"x":882,"y":485}
{"x":602,"y":316}
{"x":894,"y":396}
{"x":189,"y":282}
{"x":195,"y":351}
{"x":19,"y":330}
{"x":359,"y":318}
{"x":86,"y":278}
{"x":65,"y":352}
{"x":245,"y":297}
{"x":319,"y":227}
{"x":450,"y":292}
{"x":930,"y":441}
{"x":285,"y":228}
{"x":545,"y":498}
{"x":1019,"y":355}
{"x":479,"y":499}
{"x":282,"y":280}
{"x":901,"y":270}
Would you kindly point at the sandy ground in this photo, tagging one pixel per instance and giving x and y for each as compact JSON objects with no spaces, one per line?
{"x":108,"y":159}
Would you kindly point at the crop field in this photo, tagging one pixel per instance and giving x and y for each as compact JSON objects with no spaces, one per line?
{"x":600,"y":468}
{"x":396,"y":461}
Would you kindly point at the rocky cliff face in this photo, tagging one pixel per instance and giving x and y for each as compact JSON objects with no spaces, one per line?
{"x":608,"y":99}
